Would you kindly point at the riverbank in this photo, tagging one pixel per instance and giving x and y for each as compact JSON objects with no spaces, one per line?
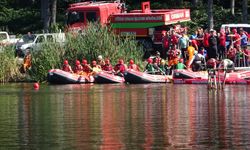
{"x":96,"y":40}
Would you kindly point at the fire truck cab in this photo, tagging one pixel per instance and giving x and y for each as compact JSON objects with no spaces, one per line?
{"x":79,"y":14}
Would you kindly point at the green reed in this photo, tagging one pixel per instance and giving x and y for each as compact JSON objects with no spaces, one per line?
{"x":9,"y":68}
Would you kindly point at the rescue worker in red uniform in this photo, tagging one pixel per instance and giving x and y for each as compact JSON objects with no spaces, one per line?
{"x":107,"y":66}
{"x":78,"y":67}
{"x":133,"y":66}
{"x":66,"y":67}
{"x":236,"y":39}
{"x":85,"y":66}
{"x":120,"y":68}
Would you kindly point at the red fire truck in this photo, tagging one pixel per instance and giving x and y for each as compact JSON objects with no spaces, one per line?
{"x":147,"y":25}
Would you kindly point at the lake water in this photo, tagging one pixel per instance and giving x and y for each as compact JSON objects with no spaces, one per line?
{"x":124,"y":117}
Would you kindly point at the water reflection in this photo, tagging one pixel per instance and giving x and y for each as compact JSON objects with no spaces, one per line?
{"x":119,"y":116}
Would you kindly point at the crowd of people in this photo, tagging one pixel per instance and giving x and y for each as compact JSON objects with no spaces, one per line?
{"x":195,"y":50}
{"x":99,"y":65}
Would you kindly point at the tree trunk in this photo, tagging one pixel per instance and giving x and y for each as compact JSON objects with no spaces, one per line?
{"x":232,"y":7}
{"x":47,"y":18}
{"x":245,"y":12}
{"x":210,"y":14}
{"x":42,"y":9}
{"x":179,"y":3}
{"x":53,"y":11}
{"x":194,"y":3}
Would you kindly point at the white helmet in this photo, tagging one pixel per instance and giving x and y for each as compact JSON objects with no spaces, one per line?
{"x":99,"y":57}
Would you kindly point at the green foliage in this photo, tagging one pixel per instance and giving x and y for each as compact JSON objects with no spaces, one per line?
{"x":9,"y":68}
{"x":95,"y":40}
{"x":48,"y":57}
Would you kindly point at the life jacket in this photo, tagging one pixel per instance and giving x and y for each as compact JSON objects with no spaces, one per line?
{"x":27,"y":61}
{"x":120,"y":67}
{"x":86,"y":68}
{"x":150,"y":68}
{"x":78,"y":68}
{"x":66,"y":68}
{"x":134,"y":67}
{"x":180,"y":66}
{"x":107,"y":67}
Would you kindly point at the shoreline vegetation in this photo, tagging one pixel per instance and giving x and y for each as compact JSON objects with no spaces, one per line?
{"x":95,"y":40}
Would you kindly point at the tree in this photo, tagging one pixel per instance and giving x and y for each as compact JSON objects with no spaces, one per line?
{"x":53,"y":11}
{"x":210,"y":14}
{"x":245,"y":12}
{"x":232,"y":6}
{"x":48,"y":13}
{"x":194,"y":3}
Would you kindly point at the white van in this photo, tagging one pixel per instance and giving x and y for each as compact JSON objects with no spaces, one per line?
{"x":34,"y":41}
{"x":246,"y":27}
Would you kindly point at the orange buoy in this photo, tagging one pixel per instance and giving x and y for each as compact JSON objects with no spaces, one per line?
{"x":36,"y":86}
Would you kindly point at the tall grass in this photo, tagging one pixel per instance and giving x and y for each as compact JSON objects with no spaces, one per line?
{"x":9,"y":66}
{"x":97,"y":40}
{"x":93,"y":41}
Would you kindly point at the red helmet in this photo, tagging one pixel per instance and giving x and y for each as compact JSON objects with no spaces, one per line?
{"x":120,"y":61}
{"x":131,"y":62}
{"x":181,"y":60}
{"x":84,"y":61}
{"x":65,"y":62}
{"x":93,"y":62}
{"x":78,"y":62}
{"x":150,"y":60}
{"x":107,"y":61}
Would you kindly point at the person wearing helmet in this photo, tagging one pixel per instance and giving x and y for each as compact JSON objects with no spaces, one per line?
{"x":173,"y":56}
{"x":107,"y":67}
{"x":26,"y":62}
{"x":66,"y":67}
{"x":158,"y":57}
{"x":180,"y":64}
{"x":150,"y":67}
{"x":100,"y":61}
{"x":85,"y":66}
{"x":78,"y":67}
{"x":95,"y":67}
{"x":133,"y":66}
{"x":120,"y":68}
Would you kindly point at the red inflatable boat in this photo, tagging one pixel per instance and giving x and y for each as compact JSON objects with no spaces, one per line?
{"x":132,"y":76}
{"x":183,"y":76}
{"x":104,"y":77}
{"x":58,"y":76}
